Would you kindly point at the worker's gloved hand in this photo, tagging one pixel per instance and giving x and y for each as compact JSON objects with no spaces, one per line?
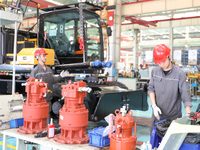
{"x":64,"y":73}
{"x":157,"y":112}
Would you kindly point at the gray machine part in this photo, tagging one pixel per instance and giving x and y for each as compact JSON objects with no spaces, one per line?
{"x":176,"y":133}
{"x":113,"y":97}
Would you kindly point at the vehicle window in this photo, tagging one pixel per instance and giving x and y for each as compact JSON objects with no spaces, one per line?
{"x":63,"y":34}
{"x":93,"y":39}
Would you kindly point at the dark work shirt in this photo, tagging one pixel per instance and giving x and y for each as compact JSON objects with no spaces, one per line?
{"x":166,"y":72}
{"x":46,"y":76}
{"x":170,"y":90}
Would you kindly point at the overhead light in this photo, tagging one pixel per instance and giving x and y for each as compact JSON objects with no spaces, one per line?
{"x":53,"y":2}
{"x":165,"y":36}
{"x":126,"y":21}
{"x":197,"y":30}
{"x":29,"y":10}
{"x":149,"y":37}
{"x":155,"y":32}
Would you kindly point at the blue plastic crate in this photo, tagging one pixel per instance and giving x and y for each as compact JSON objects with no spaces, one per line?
{"x":15,"y":123}
{"x":187,"y":146}
{"x":97,"y":139}
{"x":155,"y":139}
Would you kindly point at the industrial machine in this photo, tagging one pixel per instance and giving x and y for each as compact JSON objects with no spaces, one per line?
{"x":74,"y":34}
{"x":35,"y":109}
{"x":122,"y":138}
{"x":73,"y":115}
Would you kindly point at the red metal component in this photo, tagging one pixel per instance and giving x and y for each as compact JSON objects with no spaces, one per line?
{"x":172,"y":19}
{"x":153,"y":22}
{"x":110,"y":18}
{"x":197,"y":115}
{"x":81,"y":42}
{"x":136,"y":20}
{"x":35,"y":109}
{"x":122,"y":139}
{"x":73,"y":116}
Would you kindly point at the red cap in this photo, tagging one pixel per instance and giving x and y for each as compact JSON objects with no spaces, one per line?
{"x":161,"y":53}
{"x":40,"y":51}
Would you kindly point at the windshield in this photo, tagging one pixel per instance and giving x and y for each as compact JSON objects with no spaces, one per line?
{"x":62,"y":32}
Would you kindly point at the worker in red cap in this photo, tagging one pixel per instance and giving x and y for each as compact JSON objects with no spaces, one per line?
{"x":168,"y":87}
{"x":42,"y":71}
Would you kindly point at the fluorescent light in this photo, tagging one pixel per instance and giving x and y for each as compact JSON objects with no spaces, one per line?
{"x":126,"y":21}
{"x":53,"y":2}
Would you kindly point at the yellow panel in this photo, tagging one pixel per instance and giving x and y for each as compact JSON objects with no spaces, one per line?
{"x":20,"y":42}
{"x":26,"y":56}
{"x":33,"y":40}
{"x":9,"y":54}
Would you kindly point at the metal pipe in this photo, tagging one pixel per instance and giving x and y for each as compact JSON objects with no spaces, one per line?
{"x":23,"y":14}
{"x":137,"y":2}
{"x":37,"y":25}
{"x":75,"y":65}
{"x":37,"y":21}
{"x":171,"y":19}
{"x":14,"y":58}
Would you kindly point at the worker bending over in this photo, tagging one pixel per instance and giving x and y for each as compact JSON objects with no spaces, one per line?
{"x":168,"y":86}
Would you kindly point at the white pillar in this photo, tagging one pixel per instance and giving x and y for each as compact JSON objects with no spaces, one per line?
{"x":14,"y":58}
{"x":115,"y":40}
{"x":171,"y":38}
{"x":135,"y":48}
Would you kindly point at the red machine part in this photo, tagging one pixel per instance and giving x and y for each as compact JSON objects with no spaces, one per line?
{"x":73,"y":116}
{"x":35,"y":109}
{"x":122,"y":139}
{"x":194,"y":115}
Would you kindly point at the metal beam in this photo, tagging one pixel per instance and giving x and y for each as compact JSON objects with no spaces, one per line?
{"x":135,"y":48}
{"x":158,"y":6}
{"x":137,"y":2}
{"x":43,"y":4}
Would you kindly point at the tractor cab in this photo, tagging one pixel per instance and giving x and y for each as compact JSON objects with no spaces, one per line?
{"x":60,"y":29}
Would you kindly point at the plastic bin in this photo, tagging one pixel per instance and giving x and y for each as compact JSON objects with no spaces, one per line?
{"x":97,"y":139}
{"x":15,"y":123}
{"x":155,"y":139}
{"x":188,"y":146}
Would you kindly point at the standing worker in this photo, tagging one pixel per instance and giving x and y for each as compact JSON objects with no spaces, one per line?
{"x":168,"y":86}
{"x":41,"y":71}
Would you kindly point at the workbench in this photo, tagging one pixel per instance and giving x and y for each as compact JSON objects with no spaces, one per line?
{"x":45,"y":143}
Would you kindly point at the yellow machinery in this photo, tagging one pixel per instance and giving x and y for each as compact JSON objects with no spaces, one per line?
{"x":26,"y":57}
{"x":194,"y":79}
{"x":5,"y":3}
